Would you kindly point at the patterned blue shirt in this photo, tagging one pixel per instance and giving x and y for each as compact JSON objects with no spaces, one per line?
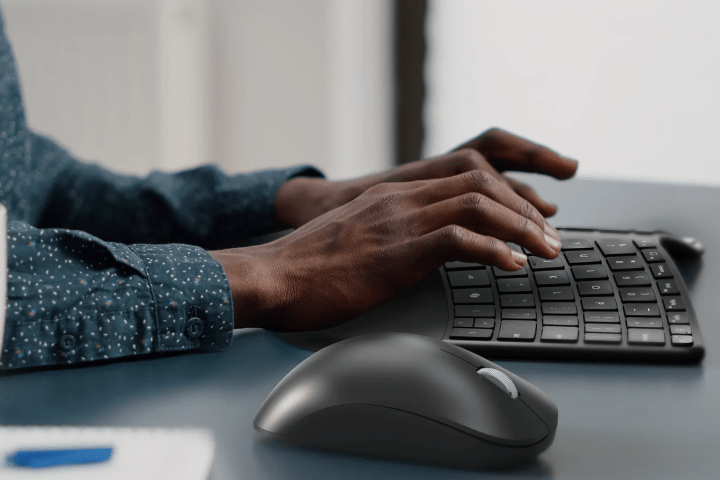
{"x":148,"y":286}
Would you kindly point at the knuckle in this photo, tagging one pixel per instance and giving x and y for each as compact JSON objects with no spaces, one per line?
{"x":494,"y":247}
{"x":469,"y":159}
{"x":526,"y":226}
{"x":492,"y":132}
{"x":481,"y":180}
{"x":451,"y":236}
{"x":529,"y":211}
{"x":474,"y":201}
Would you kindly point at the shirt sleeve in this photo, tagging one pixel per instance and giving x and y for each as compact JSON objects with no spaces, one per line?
{"x":201,"y":206}
{"x":74,"y":298}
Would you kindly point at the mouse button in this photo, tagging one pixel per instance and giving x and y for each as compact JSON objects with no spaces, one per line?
{"x":535,"y":399}
{"x":489,"y":413}
{"x":473,"y":359}
{"x":532,"y":396}
{"x":294,"y":398}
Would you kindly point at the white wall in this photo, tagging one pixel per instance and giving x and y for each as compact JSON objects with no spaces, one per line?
{"x":138,"y":85}
{"x":630,"y":88}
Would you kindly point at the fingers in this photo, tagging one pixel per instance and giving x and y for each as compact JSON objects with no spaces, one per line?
{"x":454,"y":242}
{"x":482,"y":215}
{"x":467,"y":160}
{"x":510,"y":152}
{"x":498,"y":190}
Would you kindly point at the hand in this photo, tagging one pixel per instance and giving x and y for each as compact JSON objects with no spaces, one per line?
{"x":495,"y":151}
{"x":363,"y":253}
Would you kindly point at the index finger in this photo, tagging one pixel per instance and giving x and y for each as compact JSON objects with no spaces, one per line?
{"x":506,"y":151}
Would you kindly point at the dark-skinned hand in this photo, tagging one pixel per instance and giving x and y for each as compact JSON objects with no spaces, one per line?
{"x":495,"y":151}
{"x":362,"y":242}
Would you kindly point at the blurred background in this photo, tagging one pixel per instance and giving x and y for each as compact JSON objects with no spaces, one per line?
{"x":630,"y":88}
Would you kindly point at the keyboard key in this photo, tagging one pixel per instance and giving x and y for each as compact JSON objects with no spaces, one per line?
{"x":661,"y":270}
{"x":579,"y":257}
{"x":514,"y":285}
{"x":641,"y":322}
{"x":645,"y":243}
{"x":644,"y":336}
{"x":602,"y":317}
{"x":462,"y":265}
{"x":680,"y":329}
{"x":517,"y":273}
{"x":556,"y":293}
{"x":677,"y":318}
{"x":484,"y":323}
{"x":474,"y":311}
{"x":668,"y":287}
{"x":653,"y":256}
{"x":519,"y":313}
{"x":560,"y":320}
{"x":559,"y":334}
{"x":615,"y":246}
{"x":642,"y":310}
{"x":637,"y":294}
{"x":552,"y":277}
{"x":598,"y":287}
{"x":471,"y":333}
{"x":559,"y":308}
{"x":674,"y":304}
{"x":473,"y":295}
{"x":576,"y":244}
{"x":632,"y":279}
{"x":599,"y":303}
{"x":517,"y":300}
{"x":463,"y":322}
{"x":603,"y":338}
{"x":589,"y":272}
{"x":682,"y":340}
{"x":625,"y":263}
{"x":537,"y":263}
{"x":602,"y":328}
{"x":518,"y":330}
{"x":469,"y":278}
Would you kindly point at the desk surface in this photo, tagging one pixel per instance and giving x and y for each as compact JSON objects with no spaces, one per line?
{"x":616,"y":420}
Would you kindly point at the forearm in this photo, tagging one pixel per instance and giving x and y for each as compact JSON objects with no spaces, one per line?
{"x":202,"y":206}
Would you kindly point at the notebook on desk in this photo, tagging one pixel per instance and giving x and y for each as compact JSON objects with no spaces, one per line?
{"x":178,"y":454}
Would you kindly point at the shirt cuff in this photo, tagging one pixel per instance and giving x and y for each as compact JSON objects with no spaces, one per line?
{"x":191,"y":294}
{"x":247,"y":203}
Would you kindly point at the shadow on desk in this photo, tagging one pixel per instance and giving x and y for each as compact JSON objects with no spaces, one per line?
{"x":286,"y":461}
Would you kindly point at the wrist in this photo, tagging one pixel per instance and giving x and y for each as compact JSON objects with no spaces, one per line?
{"x":299,"y":200}
{"x":254,"y":292}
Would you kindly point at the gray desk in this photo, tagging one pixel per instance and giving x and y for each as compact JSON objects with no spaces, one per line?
{"x":616,"y":420}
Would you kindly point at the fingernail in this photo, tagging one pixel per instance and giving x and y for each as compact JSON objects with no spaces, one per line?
{"x":519,"y":258}
{"x":553,"y":242}
{"x":550,"y":230}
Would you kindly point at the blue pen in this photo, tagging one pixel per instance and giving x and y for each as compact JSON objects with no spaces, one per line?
{"x":52,"y":458}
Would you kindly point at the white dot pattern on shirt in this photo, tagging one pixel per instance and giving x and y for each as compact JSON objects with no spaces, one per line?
{"x":114,"y":300}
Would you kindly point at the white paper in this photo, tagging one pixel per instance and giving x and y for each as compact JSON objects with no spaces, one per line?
{"x":182,"y":454}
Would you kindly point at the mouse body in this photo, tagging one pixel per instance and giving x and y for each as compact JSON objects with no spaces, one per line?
{"x":411,"y":398}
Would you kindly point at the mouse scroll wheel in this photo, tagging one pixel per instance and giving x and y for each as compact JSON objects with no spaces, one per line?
{"x":500,"y":380}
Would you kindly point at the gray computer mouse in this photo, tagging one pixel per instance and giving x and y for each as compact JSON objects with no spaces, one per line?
{"x":411,"y":398}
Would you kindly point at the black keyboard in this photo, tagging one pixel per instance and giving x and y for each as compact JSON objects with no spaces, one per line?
{"x":608,"y":295}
